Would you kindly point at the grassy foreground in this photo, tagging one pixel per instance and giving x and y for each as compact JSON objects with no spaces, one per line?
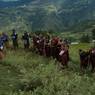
{"x":25,"y":73}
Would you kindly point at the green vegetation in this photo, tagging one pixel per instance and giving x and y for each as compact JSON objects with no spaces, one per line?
{"x":75,"y":36}
{"x":26,"y":73}
{"x":85,"y":39}
{"x":58,"y":15}
{"x":93,"y":34}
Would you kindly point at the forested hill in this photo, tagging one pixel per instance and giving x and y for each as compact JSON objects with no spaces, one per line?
{"x":13,"y":3}
{"x":56,"y":15}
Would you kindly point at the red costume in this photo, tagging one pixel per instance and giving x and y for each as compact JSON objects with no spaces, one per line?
{"x":84,"y":59}
{"x":92,"y":58}
{"x":47,"y":50}
{"x":64,"y":56}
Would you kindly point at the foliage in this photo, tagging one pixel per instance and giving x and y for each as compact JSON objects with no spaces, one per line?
{"x":26,"y":73}
{"x":93,"y":34}
{"x":48,"y":15}
{"x":85,"y":39}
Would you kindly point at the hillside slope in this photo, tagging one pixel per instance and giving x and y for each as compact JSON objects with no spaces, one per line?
{"x":43,"y":75}
{"x":57,"y":15}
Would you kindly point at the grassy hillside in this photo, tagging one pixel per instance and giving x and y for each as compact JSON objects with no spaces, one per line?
{"x":23,"y":68}
{"x":59,"y":16}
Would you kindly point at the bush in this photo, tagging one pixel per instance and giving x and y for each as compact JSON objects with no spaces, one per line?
{"x":93,"y":34}
{"x":85,"y":39}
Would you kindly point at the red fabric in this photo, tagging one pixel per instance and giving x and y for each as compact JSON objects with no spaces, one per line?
{"x":64,"y":58}
{"x":47,"y":50}
{"x":1,"y":55}
{"x":54,"y":41}
{"x":92,"y":58}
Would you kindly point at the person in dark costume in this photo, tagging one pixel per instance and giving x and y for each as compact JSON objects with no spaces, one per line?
{"x":14,"y":37}
{"x":5,"y":39}
{"x":63,"y":56}
{"x":1,"y":48}
{"x":41,"y":45}
{"x":84,"y":59}
{"x":92,"y":59}
{"x":25,"y":38}
{"x":60,"y":42}
{"x":47,"y":48}
{"x":54,"y":42}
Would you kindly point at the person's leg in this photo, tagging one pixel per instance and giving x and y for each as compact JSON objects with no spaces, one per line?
{"x":93,"y":66}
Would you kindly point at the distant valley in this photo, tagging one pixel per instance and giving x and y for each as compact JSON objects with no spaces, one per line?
{"x":55,"y":15}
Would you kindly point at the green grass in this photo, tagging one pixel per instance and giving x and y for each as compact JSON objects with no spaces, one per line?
{"x":21,"y":68}
{"x":74,"y":36}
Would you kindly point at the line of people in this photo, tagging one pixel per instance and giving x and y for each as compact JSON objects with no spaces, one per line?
{"x":49,"y":47}
{"x":25,"y":38}
{"x":43,"y":45}
{"x":52,"y":47}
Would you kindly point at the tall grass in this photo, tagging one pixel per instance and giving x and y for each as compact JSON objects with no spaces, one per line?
{"x":26,"y":73}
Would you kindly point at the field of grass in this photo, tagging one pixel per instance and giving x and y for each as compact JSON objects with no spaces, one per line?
{"x":26,"y":73}
{"x":75,"y":36}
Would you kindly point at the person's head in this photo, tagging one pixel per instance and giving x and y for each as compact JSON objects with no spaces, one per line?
{"x":63,"y":46}
{"x":47,"y":40}
{"x":61,"y":40}
{"x":25,"y":32}
{"x":13,"y":30}
{"x":80,"y":50}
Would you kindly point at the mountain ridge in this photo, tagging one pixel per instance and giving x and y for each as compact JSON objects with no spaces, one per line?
{"x":61,"y":15}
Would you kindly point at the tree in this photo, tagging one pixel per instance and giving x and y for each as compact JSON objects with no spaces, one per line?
{"x":93,"y":34}
{"x":85,"y":39}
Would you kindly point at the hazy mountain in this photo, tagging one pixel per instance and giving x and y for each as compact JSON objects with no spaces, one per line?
{"x":57,"y":15}
{"x":13,"y":3}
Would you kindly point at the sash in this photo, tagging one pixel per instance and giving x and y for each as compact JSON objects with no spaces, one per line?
{"x":93,"y":51}
{"x":38,"y":41}
{"x":1,"y":47}
{"x":62,"y":52}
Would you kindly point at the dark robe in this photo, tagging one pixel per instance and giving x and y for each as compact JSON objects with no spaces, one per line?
{"x":47,"y":50}
{"x":54,"y":43}
{"x":92,"y":58}
{"x":84,"y":59}
{"x":15,"y":40}
{"x":64,"y":57}
{"x":25,"y":38}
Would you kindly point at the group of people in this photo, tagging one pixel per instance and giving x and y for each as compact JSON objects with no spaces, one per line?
{"x":52,"y":47}
{"x":3,"y":42}
{"x":45,"y":45}
{"x":25,"y":37}
{"x":42,"y":44}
